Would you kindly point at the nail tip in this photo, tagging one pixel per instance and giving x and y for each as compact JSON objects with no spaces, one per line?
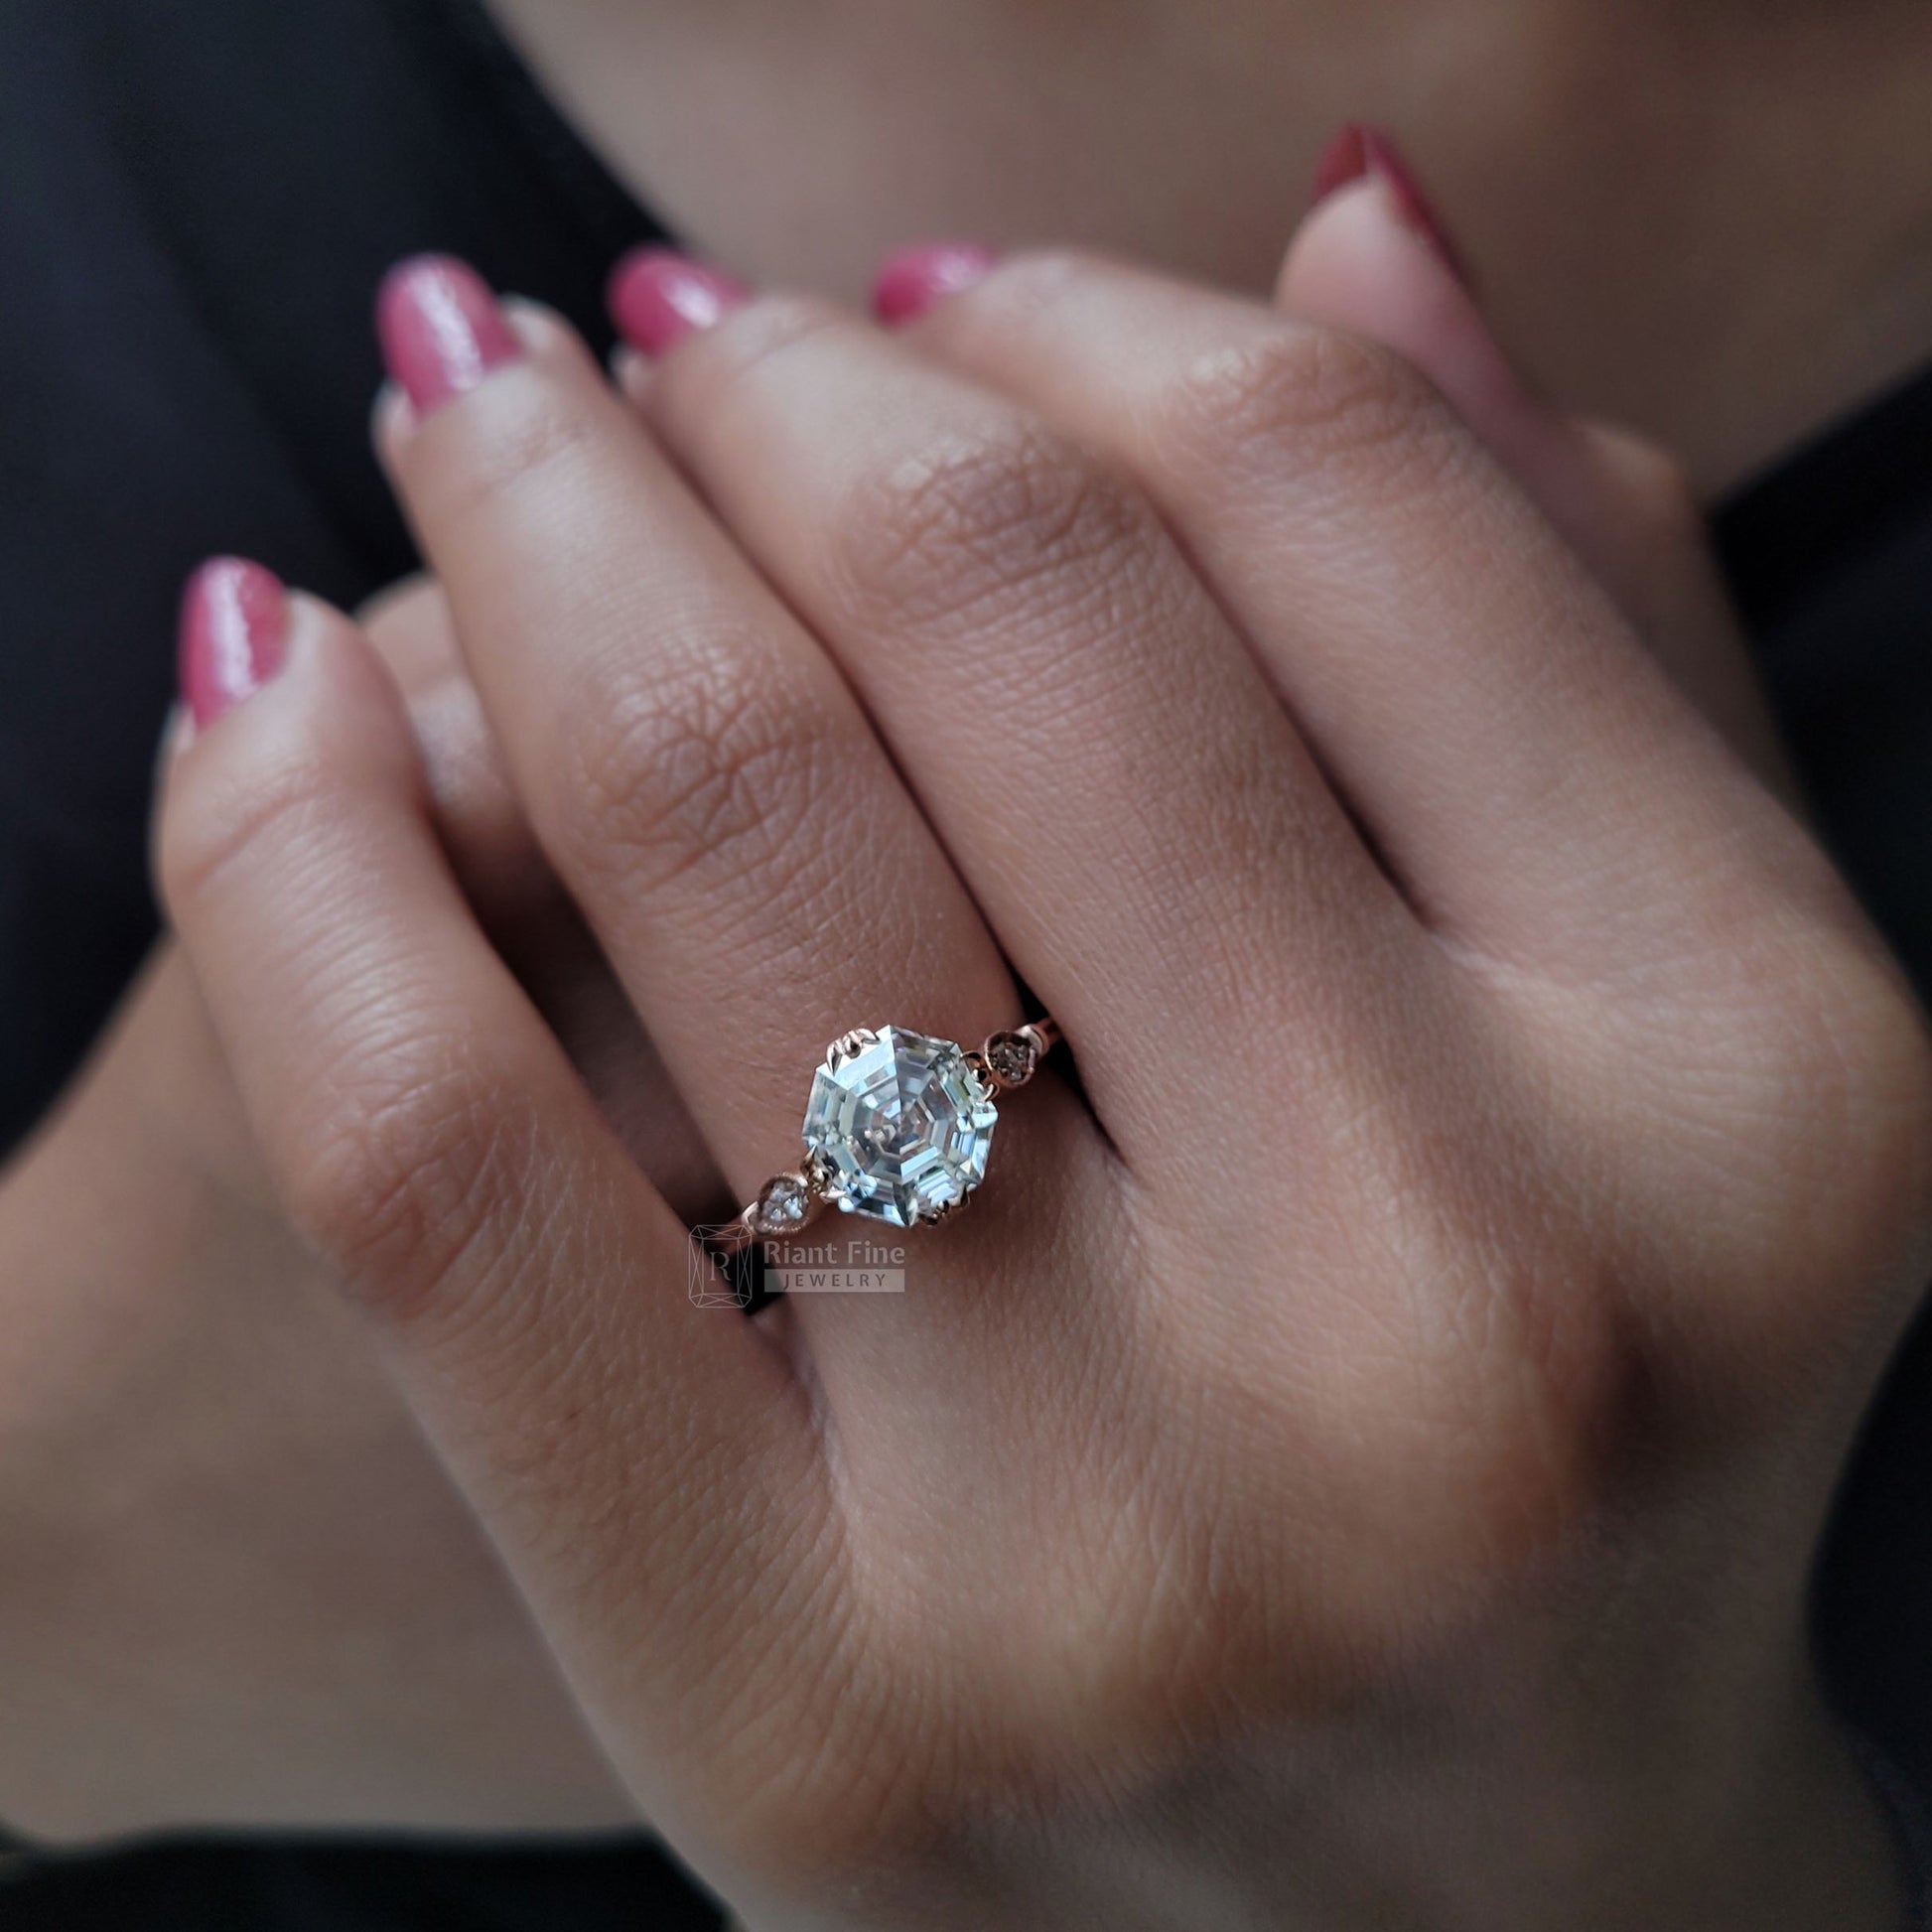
{"x":404,"y":280}
{"x":630,"y":268}
{"x":1344,"y":160}
{"x":656,"y":297}
{"x":231,"y":631}
{"x":1362,"y":151}
{"x":441,"y":327}
{"x":430,"y":262}
{"x":249,"y":585}
{"x":913,"y":281}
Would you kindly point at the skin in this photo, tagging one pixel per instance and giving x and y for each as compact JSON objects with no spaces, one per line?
{"x":182,"y":1348}
{"x":240,"y":1590}
{"x":1709,"y":221}
{"x":1583,"y":1123}
{"x":1625,"y":509}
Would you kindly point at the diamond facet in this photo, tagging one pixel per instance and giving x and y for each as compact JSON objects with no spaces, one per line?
{"x":901,"y":1126}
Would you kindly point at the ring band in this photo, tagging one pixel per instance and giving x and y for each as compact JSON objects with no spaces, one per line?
{"x":898,"y":1128}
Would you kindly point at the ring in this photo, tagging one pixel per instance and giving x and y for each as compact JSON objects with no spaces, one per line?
{"x":898,"y":1128}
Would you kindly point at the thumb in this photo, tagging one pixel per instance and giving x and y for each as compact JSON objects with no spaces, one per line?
{"x":1374,"y":258}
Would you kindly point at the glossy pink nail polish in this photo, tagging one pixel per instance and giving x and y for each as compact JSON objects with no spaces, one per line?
{"x":917,"y":279}
{"x":233,"y":628}
{"x":1358,"y":152}
{"x":441,"y":328}
{"x":658,"y":298}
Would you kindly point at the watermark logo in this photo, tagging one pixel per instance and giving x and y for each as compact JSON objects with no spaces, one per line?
{"x":858,"y":1263}
{"x":722,"y":1278}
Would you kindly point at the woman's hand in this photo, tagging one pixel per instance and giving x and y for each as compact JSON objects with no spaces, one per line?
{"x":240,"y":1590}
{"x":1358,"y":1465}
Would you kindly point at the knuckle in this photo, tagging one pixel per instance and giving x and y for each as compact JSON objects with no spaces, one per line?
{"x":1505,"y":1433}
{"x":715,"y":761}
{"x":1489,"y":1465}
{"x":985,"y":515}
{"x":1475,"y":1375}
{"x":395,"y":1181}
{"x":1299,"y":395}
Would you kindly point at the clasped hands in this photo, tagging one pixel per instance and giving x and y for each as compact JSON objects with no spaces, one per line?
{"x":1357,"y":1462}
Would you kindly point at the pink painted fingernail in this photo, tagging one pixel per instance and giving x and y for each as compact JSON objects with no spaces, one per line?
{"x":919,"y":279}
{"x":1357,"y":153}
{"x":441,"y":328}
{"x":658,"y":297}
{"x":234,"y":618}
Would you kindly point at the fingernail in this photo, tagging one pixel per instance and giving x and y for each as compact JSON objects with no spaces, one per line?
{"x":1357,"y":153}
{"x":919,"y":279}
{"x":441,"y":332}
{"x":658,"y":298}
{"x":234,"y":627}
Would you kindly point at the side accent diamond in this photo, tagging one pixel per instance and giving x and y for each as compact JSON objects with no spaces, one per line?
{"x":1012,"y":1058}
{"x":785,"y":1205}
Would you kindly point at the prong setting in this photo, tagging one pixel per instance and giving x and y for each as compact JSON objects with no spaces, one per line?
{"x":848,"y":1046}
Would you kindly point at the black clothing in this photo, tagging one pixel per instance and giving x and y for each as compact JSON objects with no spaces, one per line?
{"x":196,"y":201}
{"x":615,"y":1886}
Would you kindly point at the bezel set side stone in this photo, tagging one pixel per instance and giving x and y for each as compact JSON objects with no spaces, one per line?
{"x":787,"y":1203}
{"x":1010,"y":1059}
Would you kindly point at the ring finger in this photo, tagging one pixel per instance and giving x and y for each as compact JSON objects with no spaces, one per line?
{"x":1117,"y":784}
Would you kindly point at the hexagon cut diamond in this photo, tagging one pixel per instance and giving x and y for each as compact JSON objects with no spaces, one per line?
{"x":900,"y":1125}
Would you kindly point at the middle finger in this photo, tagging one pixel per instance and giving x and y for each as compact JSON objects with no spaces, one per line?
{"x":1113,"y":777}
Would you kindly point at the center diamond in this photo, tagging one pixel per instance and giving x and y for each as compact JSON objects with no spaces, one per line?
{"x":900,"y":1125}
